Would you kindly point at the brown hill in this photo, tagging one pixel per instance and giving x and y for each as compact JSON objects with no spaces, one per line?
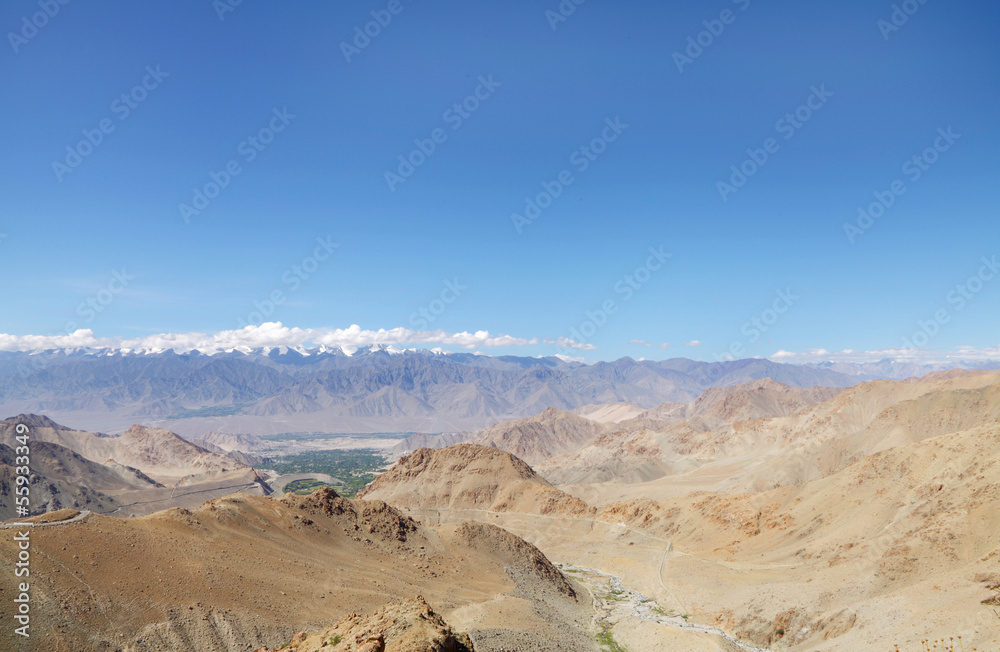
{"x":765,"y":398}
{"x":229,"y":442}
{"x":160,"y":454}
{"x":472,"y":477}
{"x":409,"y":626}
{"x":860,"y":421}
{"x":665,"y":411}
{"x":552,"y":432}
{"x":423,"y":440}
{"x":245,"y":571}
{"x":670,"y":458}
{"x":61,"y":479}
{"x":609,"y":412}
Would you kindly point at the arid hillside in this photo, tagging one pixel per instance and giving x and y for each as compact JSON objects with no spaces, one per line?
{"x":161,"y":454}
{"x":247,"y":571}
{"x":409,"y":626}
{"x":609,"y":412}
{"x":473,"y":477}
{"x":660,"y":459}
{"x":900,"y":546}
{"x":542,"y":436}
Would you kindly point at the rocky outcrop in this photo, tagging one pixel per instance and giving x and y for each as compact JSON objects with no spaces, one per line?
{"x":409,"y":626}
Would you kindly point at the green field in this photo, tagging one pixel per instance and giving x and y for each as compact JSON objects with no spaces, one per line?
{"x":212,"y":411}
{"x":356,"y":467}
{"x":305,"y":487}
{"x":310,"y":436}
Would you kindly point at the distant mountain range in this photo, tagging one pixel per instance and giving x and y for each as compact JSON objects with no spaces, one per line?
{"x":374,"y":389}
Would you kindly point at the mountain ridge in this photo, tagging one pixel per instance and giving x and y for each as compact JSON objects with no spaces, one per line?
{"x":370,"y":391}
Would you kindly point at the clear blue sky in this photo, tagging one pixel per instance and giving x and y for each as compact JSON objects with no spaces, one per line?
{"x":655,"y":185}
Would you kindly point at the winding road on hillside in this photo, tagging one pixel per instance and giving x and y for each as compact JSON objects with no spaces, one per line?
{"x":76,"y":519}
{"x":225,"y":490}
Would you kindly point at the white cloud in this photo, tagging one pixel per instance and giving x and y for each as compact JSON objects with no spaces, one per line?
{"x":273,"y":334}
{"x":639,"y":343}
{"x":902,"y":354}
{"x":80,"y":338}
{"x":569,"y":343}
{"x":665,"y":345}
{"x":693,"y":343}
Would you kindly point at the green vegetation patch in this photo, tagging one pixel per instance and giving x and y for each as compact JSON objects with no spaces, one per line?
{"x":616,"y":595}
{"x":312,"y":436}
{"x":306,"y":487}
{"x":608,"y":643}
{"x":355,"y":467}
{"x":211,"y":411}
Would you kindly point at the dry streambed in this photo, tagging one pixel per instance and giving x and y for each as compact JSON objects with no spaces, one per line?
{"x":614,"y":603}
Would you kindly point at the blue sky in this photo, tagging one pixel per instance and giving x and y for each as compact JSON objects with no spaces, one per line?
{"x":100,"y":242}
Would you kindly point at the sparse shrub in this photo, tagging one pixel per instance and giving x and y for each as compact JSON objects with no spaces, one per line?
{"x":607,"y":642}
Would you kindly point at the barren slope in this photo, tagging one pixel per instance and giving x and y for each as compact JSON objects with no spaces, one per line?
{"x":765,"y":398}
{"x":609,"y":412}
{"x":758,"y":454}
{"x":409,"y":626}
{"x":229,"y":442}
{"x":553,"y":432}
{"x":897,"y":547}
{"x":161,"y":454}
{"x":469,"y":476}
{"x":247,"y":571}
{"x":61,"y":479}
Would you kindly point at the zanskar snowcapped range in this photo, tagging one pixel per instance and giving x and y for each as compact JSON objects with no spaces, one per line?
{"x":377,"y":388}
